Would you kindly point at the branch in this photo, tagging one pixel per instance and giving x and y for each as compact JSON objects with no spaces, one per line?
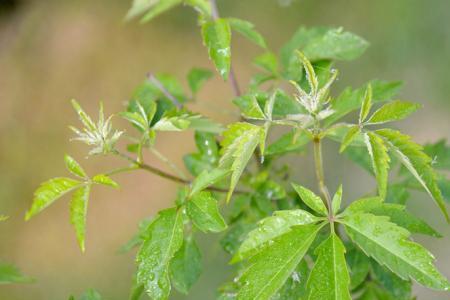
{"x":163,"y":174}
{"x":166,"y":93}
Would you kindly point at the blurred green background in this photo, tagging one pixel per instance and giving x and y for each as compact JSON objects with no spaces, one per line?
{"x":51,"y":51}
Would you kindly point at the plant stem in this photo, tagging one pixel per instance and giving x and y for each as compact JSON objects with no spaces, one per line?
{"x":143,"y":166}
{"x":233,"y":80}
{"x":320,"y":175}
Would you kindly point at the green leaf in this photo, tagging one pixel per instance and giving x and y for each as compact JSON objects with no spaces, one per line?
{"x":389,"y":245}
{"x":91,"y":294}
{"x":393,"y":111}
{"x":197,"y":77}
{"x":417,"y":162}
{"x":151,"y":8}
{"x":83,"y":116}
{"x":295,"y":285}
{"x":74,"y":167}
{"x":312,"y":200}
{"x":217,"y":37}
{"x":337,"y":199}
{"x":270,"y":228}
{"x":50,"y":191}
{"x":11,"y":274}
{"x":398,"y":288}
{"x":289,"y":142}
{"x":358,"y":264}
{"x":350,"y":100}
{"x":366,"y":104}
{"x":207,"y":178}
{"x":182,"y":120}
{"x":3,"y":218}
{"x":105,"y":180}
{"x":380,"y":160}
{"x":239,"y":143}
{"x":329,"y":278}
{"x":268,"y":62}
{"x":201,"y":6}
{"x":397,"y":214}
{"x":336,"y":44}
{"x":247,"y":30}
{"x":249,"y":107}
{"x":78,"y":213}
{"x":165,"y":238}
{"x":235,"y":235}
{"x":207,"y":157}
{"x":269,"y":269}
{"x":349,"y":137}
{"x":186,"y":266}
{"x":203,"y":210}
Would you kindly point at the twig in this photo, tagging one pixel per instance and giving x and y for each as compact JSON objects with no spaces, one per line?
{"x":163,"y":174}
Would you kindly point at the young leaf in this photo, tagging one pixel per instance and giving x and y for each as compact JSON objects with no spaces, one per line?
{"x":396,"y":212}
{"x":165,"y":237}
{"x":186,"y":266}
{"x":310,"y":73}
{"x":74,"y":167}
{"x":78,"y":213}
{"x":380,"y":160}
{"x":11,"y":274}
{"x":329,"y":279}
{"x":50,"y":191}
{"x":350,"y":100}
{"x":203,"y":210}
{"x":207,"y":178}
{"x":389,"y":245}
{"x":337,"y":199}
{"x":239,"y":143}
{"x":217,"y":37}
{"x":197,"y":77}
{"x":105,"y":180}
{"x":249,"y":107}
{"x":270,"y":228}
{"x":349,"y":137}
{"x":247,"y":30}
{"x":366,"y":104}
{"x":417,"y":162}
{"x":269,"y":269}
{"x":393,"y":111}
{"x":312,"y":200}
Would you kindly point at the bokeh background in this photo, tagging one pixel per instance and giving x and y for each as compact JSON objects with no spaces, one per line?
{"x":52,"y":51}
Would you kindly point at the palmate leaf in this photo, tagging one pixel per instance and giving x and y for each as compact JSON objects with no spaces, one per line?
{"x":417,"y":162}
{"x":389,"y":245}
{"x":398,"y":288}
{"x":207,"y":178}
{"x":50,"y":191}
{"x":269,"y":269}
{"x":295,"y":285}
{"x":165,"y":238}
{"x":182,"y":120}
{"x":349,"y":137}
{"x":217,"y":38}
{"x":11,"y":274}
{"x":380,"y":160}
{"x":203,"y":210}
{"x":393,"y":111}
{"x":329,"y":278}
{"x":270,"y":228}
{"x":105,"y":180}
{"x":186,"y":266}
{"x":239,"y":143}
{"x":312,"y":200}
{"x":366,"y":104}
{"x":78,"y":213}
{"x":337,"y":199}
{"x":248,"y":31}
{"x":358,"y":264}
